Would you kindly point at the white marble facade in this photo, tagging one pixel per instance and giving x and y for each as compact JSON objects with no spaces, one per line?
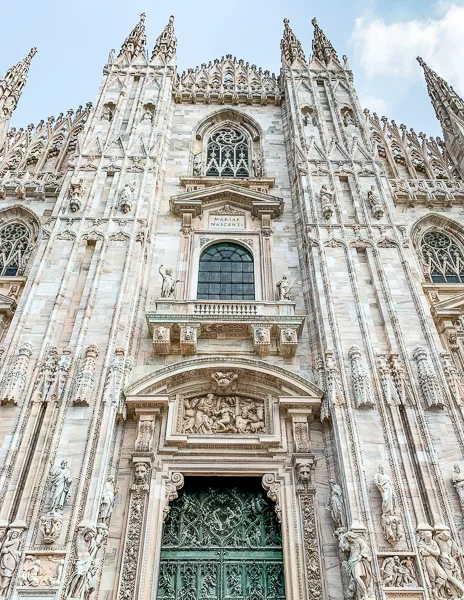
{"x":339,"y":382}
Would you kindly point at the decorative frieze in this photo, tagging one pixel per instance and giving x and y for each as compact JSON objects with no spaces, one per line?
{"x":41,"y":571}
{"x":398,"y":571}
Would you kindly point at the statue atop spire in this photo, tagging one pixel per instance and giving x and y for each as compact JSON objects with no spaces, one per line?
{"x":290,"y":46}
{"x":322,"y":46}
{"x":444,"y":98}
{"x":11,"y":87}
{"x":135,"y":43}
{"x":166,"y":44}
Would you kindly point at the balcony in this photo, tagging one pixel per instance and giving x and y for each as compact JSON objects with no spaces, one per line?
{"x":176,"y":326}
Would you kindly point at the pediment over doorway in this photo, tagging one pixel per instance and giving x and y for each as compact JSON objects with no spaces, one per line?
{"x":258,"y":203}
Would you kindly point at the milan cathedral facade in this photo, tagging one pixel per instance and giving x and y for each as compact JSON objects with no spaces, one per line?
{"x":288,"y":427}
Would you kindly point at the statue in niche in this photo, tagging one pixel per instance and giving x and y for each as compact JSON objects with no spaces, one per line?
{"x":218,"y":414}
{"x":458,"y":482}
{"x":284,"y":289}
{"x":125,"y":202}
{"x":61,"y":488}
{"x":9,"y":559}
{"x":147,"y":113}
{"x":336,"y":504}
{"x":347,"y":118}
{"x":358,"y":566}
{"x":385,"y":487}
{"x":168,"y":286}
{"x":258,"y":166}
{"x":107,"y":501}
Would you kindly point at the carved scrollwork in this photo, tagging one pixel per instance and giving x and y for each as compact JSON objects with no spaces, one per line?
{"x":272,"y":485}
{"x":175,"y":483}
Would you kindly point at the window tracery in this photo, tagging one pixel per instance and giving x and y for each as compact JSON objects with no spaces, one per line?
{"x":15,"y":241}
{"x":227,"y":154}
{"x":443,"y":258}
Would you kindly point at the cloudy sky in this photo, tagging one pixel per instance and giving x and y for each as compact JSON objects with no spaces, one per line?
{"x":381,"y":38}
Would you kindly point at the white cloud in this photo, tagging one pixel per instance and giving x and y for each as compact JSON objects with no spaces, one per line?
{"x":374,"y":104}
{"x":391,"y":49}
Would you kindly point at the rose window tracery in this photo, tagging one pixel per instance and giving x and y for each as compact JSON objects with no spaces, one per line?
{"x":227,"y":154}
{"x":14,"y":245}
{"x":443,"y":259}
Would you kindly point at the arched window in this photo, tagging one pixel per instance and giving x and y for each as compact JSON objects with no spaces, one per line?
{"x":227,"y":154}
{"x":444,"y":260}
{"x":14,"y":246}
{"x":226,"y":273}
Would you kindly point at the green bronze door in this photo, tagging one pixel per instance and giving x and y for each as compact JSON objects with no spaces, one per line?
{"x":222,"y":541}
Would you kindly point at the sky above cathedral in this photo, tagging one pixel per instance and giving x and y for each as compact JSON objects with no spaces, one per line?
{"x":382,"y":39}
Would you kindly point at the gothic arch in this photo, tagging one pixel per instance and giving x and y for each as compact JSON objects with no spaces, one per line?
{"x":231,"y":117}
{"x":440,"y":224}
{"x":24,"y":218}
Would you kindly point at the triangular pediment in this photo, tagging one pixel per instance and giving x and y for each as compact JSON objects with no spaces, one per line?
{"x":256,"y":202}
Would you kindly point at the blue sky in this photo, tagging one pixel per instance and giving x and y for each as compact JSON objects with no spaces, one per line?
{"x":380,"y":37}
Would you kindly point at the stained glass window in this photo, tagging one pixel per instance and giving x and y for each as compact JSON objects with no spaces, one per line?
{"x":444,"y":261}
{"x":227,"y":154}
{"x":14,"y":242}
{"x":226,"y":273}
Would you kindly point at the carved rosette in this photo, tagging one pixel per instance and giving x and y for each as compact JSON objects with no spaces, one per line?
{"x":134,"y":531}
{"x":173,"y":484}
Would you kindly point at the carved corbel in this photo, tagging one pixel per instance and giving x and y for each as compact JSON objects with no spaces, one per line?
{"x":173,"y":484}
{"x":145,"y":430}
{"x":162,"y":338}
{"x":50,"y":526}
{"x":272,"y":485}
{"x":301,"y":411}
{"x":288,"y":341}
{"x":188,"y":339}
{"x":261,"y":339}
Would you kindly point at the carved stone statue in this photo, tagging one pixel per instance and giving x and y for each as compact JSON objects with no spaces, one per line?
{"x":327,"y":206}
{"x":125,"y":202}
{"x":392,"y":528}
{"x":385,"y":487}
{"x":82,"y":582}
{"x":438,"y":557}
{"x":376,"y":204}
{"x":347,"y":118}
{"x":224,"y":383}
{"x":9,"y":559}
{"x":197,"y":165}
{"x":50,"y":526}
{"x":20,"y":191}
{"x":284,"y":289}
{"x":168,"y":286}
{"x":258,"y":166}
{"x":358,"y":566}
{"x":458,"y":482}
{"x":336,"y":504}
{"x":61,"y":488}
{"x":75,"y":193}
{"x":107,"y":502}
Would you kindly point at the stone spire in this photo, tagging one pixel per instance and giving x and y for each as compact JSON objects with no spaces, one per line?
{"x":135,"y":43}
{"x":322,"y":46}
{"x":449,"y":108}
{"x":443,"y":96}
{"x":166,"y":44}
{"x":11,"y":87}
{"x":290,"y":46}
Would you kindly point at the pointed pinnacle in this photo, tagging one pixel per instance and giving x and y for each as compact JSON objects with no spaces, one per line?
{"x":166,"y":44}
{"x":322,"y":46}
{"x":290,"y":46}
{"x":135,"y":42}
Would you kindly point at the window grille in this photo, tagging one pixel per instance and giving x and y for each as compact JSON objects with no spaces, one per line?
{"x":444,"y":260}
{"x":227,"y":154}
{"x":226,"y":273}
{"x":14,"y":243}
